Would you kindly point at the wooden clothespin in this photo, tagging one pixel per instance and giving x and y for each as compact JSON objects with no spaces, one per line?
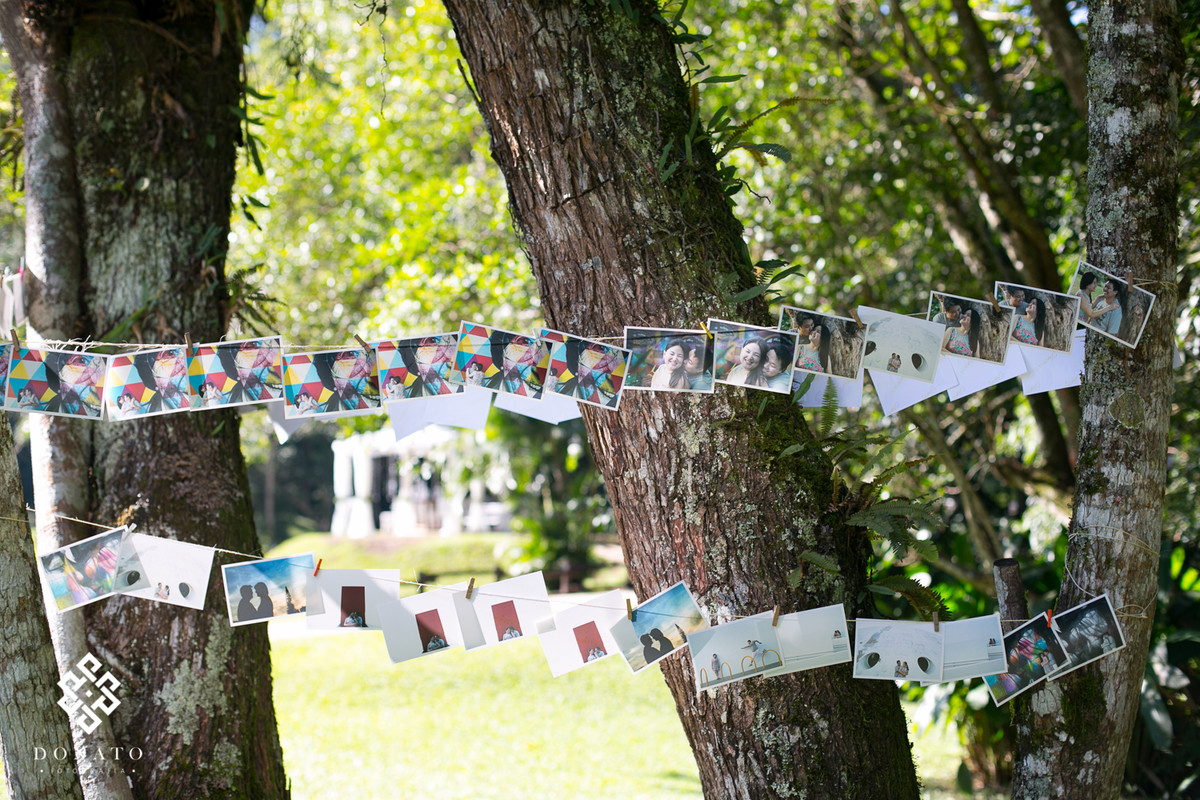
{"x":187,"y":341}
{"x":936,"y":625}
{"x":775,"y":618}
{"x":16,"y":341}
{"x":995,"y":304}
{"x":470,"y":588}
{"x":361,"y":342}
{"x":318,"y":569}
{"x":854,"y":315}
{"x":629,"y":609}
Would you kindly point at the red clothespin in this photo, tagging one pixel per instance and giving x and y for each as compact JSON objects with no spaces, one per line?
{"x":629,"y":609}
{"x":936,"y":625}
{"x":775,"y":619}
{"x":470,"y":588}
{"x":362,"y":342}
{"x":318,"y":569}
{"x":1048,"y":613}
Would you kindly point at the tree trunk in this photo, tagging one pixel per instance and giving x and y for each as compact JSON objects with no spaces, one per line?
{"x":148,"y":143}
{"x":29,"y":714}
{"x":580,"y":102}
{"x":1073,"y":734}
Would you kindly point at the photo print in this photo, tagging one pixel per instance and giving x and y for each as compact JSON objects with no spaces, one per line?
{"x":974,"y":648}
{"x":502,"y":611}
{"x":906,"y":347}
{"x":350,"y":599}
{"x":58,"y":382}
{"x":809,"y":639}
{"x":147,"y":384}
{"x":1043,"y":319}
{"x":1087,"y":632}
{"x":176,"y":572}
{"x":236,"y":373}
{"x":420,"y":625}
{"x":589,"y":371}
{"x":669,"y":360}
{"x":500,"y":361}
{"x":746,"y":355}
{"x":660,"y":626}
{"x":975,"y":329}
{"x":1032,"y":653}
{"x":580,"y":635}
{"x":340,"y":382}
{"x":891,"y":650}
{"x":825,"y":344}
{"x":734,"y":651}
{"x":266,"y":589}
{"x":422,"y":366}
{"x":93,"y":569}
{"x":1109,"y":305}
{"x":6,"y":352}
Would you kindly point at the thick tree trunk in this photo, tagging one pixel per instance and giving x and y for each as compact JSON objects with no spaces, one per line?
{"x":149,"y":141}
{"x":580,"y":103}
{"x":1073,"y":735}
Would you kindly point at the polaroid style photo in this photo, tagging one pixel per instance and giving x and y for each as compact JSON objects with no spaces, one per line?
{"x":503,"y":611}
{"x":1043,"y":319}
{"x":817,"y":637}
{"x":579,"y":635}
{"x":176,"y":572}
{"x":500,"y":361}
{"x":747,"y":355}
{"x":1109,"y":305}
{"x":236,"y":373}
{"x":420,"y":625}
{"x":1032,"y":652}
{"x":58,"y":382}
{"x":906,"y":347}
{"x":6,"y":353}
{"x":147,"y":384}
{"x":975,"y":329}
{"x":974,"y":648}
{"x":897,"y":651}
{"x":266,"y":589}
{"x":350,"y":599}
{"x":421,"y":366}
{"x":1087,"y":632}
{"x":588,"y":371}
{"x":669,"y":360}
{"x":342,"y":382}
{"x":660,"y":626}
{"x":93,"y":569}
{"x":825,"y":344}
{"x":734,"y":651}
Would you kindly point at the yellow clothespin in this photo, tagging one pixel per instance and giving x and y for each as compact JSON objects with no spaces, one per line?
{"x":629,"y":609}
{"x":775,"y":619}
{"x":470,"y":588}
{"x":707,"y":332}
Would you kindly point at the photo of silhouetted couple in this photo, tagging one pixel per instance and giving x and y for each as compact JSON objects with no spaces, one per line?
{"x":669,"y":360}
{"x":660,"y":627}
{"x":825,"y":344}
{"x":974,"y":328}
{"x":257,"y":591}
{"x":1109,"y":305}
{"x":746,"y":355}
{"x":1043,"y":319}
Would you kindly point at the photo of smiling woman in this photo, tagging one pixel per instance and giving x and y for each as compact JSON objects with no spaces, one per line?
{"x":760,"y":358}
{"x":669,"y":360}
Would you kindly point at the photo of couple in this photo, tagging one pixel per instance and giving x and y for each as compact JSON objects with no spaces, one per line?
{"x":236,"y":373}
{"x":500,"y":361}
{"x":257,"y":591}
{"x":747,"y":355}
{"x":660,"y":627}
{"x":330,"y":382}
{"x":974,"y":328}
{"x":1043,"y":319}
{"x":146,"y":384}
{"x":669,"y":360}
{"x":904,"y":346}
{"x":825,"y":344}
{"x":1109,"y":305}
{"x":59,"y":382}
{"x":422,"y":366}
{"x":589,"y":371}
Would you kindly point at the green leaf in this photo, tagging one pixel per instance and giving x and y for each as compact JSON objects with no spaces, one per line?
{"x":1155,"y":715}
{"x":722,"y":78}
{"x":749,"y":294}
{"x":821,"y":560}
{"x":771,"y":149}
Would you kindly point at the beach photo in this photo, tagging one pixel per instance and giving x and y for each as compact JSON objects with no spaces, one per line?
{"x":176,"y":572}
{"x":734,"y":651}
{"x":825,"y":344}
{"x":660,"y":627}
{"x":895,"y":650}
{"x":974,"y":648}
{"x":975,"y":329}
{"x":669,"y":360}
{"x":906,"y":347}
{"x":1043,"y":319}
{"x":747,"y":355}
{"x":262,"y":590}
{"x":817,"y":637}
{"x":1109,"y":305}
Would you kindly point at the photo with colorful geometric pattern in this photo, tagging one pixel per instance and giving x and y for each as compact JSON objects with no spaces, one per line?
{"x":59,"y":382}
{"x":330,"y":382}
{"x":501,"y":361}
{"x":589,"y":371}
{"x":422,"y":366}
{"x":147,"y":384}
{"x":236,"y":373}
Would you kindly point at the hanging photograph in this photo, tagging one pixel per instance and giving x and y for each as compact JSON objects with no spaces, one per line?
{"x":147,"y":384}
{"x":503,"y":611}
{"x":737,"y":650}
{"x":59,"y":382}
{"x":580,"y":635}
{"x":588,"y":371}
{"x":500,"y":361}
{"x":669,"y":360}
{"x":93,"y":569}
{"x":897,"y":651}
{"x":746,"y":355}
{"x":1032,"y":652}
{"x":350,"y":599}
{"x":340,"y":382}
{"x":266,"y":589}
{"x":975,"y":329}
{"x":422,"y":366}
{"x":420,"y":625}
{"x":6,"y":352}
{"x":1043,"y":319}
{"x":659,"y":628}
{"x":817,"y":637}
{"x":1109,"y":305}
{"x":236,"y":373}
{"x":1087,"y":632}
{"x":176,"y":572}
{"x":906,"y":347}
{"x":825,"y":344}
{"x":974,"y":648}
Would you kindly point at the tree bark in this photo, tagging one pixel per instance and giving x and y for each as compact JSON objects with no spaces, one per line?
{"x":148,"y":141}
{"x":1073,"y":735}
{"x":580,"y":103}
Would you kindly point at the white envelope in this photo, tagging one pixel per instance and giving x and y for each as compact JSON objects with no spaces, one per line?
{"x":896,"y":393}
